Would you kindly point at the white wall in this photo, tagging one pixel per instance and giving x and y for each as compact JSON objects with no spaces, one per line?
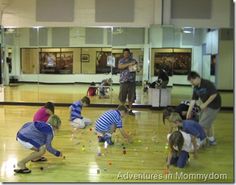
{"x":197,"y":59}
{"x":206,"y":66}
{"x":224,"y":69}
{"x":47,"y":78}
{"x":156,"y":34}
{"x":220,"y":16}
{"x":77,"y":39}
{"x":211,"y":39}
{"x":21,"y":13}
{"x":200,"y":63}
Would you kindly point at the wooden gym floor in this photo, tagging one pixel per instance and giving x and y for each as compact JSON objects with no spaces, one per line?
{"x":71,"y":92}
{"x":144,"y":158}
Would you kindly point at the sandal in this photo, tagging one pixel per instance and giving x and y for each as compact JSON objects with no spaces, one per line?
{"x":26,"y":170}
{"x":41,"y":159}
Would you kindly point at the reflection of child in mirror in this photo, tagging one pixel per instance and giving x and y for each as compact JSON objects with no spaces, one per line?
{"x":49,"y":60}
{"x":104,"y":88}
{"x":92,"y":90}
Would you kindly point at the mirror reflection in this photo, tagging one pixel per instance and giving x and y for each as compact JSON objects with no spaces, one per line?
{"x":63,"y":64}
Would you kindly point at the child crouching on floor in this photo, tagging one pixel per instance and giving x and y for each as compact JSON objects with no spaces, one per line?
{"x":180,"y":145}
{"x":107,"y":124}
{"x":77,"y":121}
{"x":190,"y":127}
{"x":37,"y":136}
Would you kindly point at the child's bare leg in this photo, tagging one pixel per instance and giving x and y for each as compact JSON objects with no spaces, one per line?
{"x":33,"y":156}
{"x":74,"y":133}
{"x":76,"y":125}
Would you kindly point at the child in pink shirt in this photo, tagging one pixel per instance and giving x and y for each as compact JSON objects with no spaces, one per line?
{"x":44,"y":112}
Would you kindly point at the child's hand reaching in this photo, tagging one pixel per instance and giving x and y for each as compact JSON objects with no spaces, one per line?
{"x":62,"y":156}
{"x":166,"y":170}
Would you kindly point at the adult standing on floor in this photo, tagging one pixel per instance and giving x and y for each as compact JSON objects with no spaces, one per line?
{"x":211,"y":103}
{"x":127,"y":66}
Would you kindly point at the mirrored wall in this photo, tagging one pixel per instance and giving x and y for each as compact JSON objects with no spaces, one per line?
{"x":59,"y":64}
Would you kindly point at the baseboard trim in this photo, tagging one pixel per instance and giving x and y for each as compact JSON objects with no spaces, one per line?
{"x":226,"y":108}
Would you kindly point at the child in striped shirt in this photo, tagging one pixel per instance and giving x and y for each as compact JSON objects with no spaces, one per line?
{"x":108,"y":122}
{"x":77,"y":121}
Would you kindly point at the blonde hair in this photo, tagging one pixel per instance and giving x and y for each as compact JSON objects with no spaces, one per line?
{"x":55,"y":121}
{"x":174,"y":116}
{"x":166,"y":113}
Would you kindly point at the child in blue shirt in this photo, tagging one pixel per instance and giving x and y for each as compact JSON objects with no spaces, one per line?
{"x":108,"y":122}
{"x":77,"y":121}
{"x":37,"y":136}
{"x":189,"y":126}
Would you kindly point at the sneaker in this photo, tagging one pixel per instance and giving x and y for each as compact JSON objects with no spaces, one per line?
{"x":108,"y":140}
{"x":41,"y":159}
{"x":23,"y":171}
{"x":131,"y":113}
{"x":212,"y":143}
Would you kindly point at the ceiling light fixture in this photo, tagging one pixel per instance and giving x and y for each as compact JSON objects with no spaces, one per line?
{"x":188,"y":29}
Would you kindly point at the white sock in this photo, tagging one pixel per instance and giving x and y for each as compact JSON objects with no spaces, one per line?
{"x":108,"y":134}
{"x":211,"y":138}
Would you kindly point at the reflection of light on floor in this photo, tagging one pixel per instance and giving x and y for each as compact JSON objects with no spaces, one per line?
{"x":94,"y":172}
{"x":8,"y":167}
{"x":4,"y":147}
